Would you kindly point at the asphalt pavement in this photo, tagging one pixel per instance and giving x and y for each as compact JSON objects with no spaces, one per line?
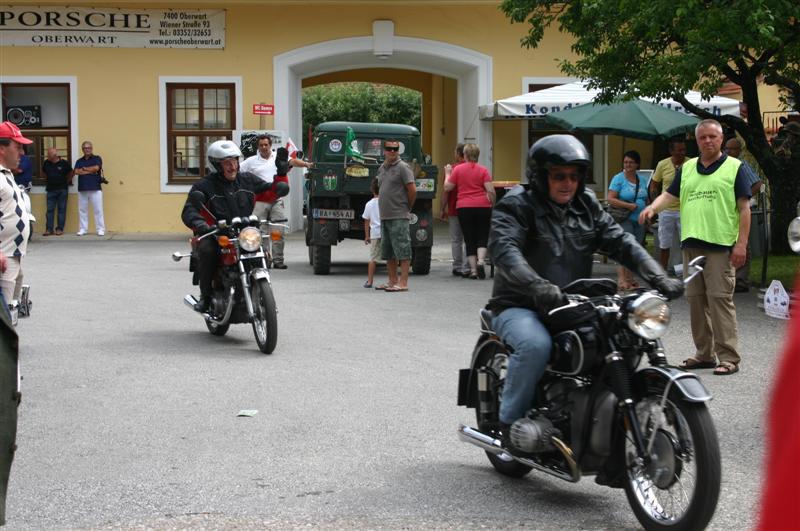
{"x":129,"y":408}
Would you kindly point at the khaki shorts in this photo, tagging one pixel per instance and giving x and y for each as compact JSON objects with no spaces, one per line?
{"x":375,"y":249}
{"x":395,"y":239}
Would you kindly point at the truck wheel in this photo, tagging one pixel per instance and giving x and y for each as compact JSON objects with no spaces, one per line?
{"x":310,"y":254}
{"x":421,"y":260}
{"x":321,"y":259}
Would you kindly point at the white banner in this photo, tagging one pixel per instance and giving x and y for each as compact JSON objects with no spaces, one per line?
{"x":108,"y":27}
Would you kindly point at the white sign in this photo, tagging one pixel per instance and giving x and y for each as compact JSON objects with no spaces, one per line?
{"x":776,"y":301}
{"x":108,"y":27}
{"x":330,"y":213}
{"x":425,"y":185}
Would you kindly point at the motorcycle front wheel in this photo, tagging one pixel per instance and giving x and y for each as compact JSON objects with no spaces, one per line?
{"x":265,"y":321}
{"x":678,"y":489}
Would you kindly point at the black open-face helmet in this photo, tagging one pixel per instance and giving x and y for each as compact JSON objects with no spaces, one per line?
{"x":556,"y":150}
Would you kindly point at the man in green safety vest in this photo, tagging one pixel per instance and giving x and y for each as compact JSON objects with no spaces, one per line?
{"x":714,"y":193}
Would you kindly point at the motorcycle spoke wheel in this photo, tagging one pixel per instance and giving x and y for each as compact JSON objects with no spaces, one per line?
{"x":678,"y":488}
{"x":265,"y":320}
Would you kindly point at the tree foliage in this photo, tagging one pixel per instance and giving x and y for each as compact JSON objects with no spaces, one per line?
{"x":662,"y":49}
{"x":361,"y":102}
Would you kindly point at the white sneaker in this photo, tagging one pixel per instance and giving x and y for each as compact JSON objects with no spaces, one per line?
{"x":81,"y":233}
{"x":101,"y":233}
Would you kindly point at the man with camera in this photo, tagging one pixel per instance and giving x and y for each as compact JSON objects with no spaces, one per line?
{"x":89,"y":169}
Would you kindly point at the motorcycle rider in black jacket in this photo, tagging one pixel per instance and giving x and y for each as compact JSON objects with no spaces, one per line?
{"x":542,"y":237}
{"x":226,"y":195}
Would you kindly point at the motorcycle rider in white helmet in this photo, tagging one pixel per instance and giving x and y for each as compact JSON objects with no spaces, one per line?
{"x":227,"y":194}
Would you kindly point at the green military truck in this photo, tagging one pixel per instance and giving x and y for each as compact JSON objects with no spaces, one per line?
{"x":338,"y":187}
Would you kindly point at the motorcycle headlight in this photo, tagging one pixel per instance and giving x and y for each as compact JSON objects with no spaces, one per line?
{"x":649,"y":316}
{"x":250,"y":239}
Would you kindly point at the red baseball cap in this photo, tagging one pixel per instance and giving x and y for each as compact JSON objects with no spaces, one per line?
{"x":9,"y":130}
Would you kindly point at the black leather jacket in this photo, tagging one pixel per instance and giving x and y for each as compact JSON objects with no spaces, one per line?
{"x":225,"y":199}
{"x":538,"y":247}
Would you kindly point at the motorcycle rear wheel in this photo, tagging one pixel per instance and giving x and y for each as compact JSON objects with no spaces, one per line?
{"x":680,"y":487}
{"x":497,"y":365}
{"x":265,"y":321}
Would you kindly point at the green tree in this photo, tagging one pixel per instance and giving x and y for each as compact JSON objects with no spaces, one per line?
{"x":361,"y":102}
{"x":662,"y":49}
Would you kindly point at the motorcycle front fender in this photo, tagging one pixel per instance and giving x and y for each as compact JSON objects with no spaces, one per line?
{"x":257,"y":274}
{"x":688,"y":385}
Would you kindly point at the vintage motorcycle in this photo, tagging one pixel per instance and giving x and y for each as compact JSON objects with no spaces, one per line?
{"x":242,"y":288}
{"x":647,"y":430}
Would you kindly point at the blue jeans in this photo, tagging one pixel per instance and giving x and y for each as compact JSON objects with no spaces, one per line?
{"x":524,"y":333}
{"x":56,"y":198}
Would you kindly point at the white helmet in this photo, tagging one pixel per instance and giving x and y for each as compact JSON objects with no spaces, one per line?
{"x":221,"y":150}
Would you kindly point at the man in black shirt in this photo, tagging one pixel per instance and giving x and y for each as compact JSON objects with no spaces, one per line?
{"x":58,"y":173}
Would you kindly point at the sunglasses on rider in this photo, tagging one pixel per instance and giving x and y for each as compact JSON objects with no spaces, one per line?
{"x":560,"y":176}
{"x":391,"y":148}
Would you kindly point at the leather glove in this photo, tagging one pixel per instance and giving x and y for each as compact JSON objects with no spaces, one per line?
{"x":202,"y":228}
{"x":671,"y":288}
{"x":549,"y":296}
{"x":282,"y":161}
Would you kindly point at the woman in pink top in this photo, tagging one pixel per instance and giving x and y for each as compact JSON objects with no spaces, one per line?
{"x":474,"y":200}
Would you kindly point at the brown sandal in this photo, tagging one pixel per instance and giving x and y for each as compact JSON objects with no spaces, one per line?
{"x":726,"y":368}
{"x":694,"y":363}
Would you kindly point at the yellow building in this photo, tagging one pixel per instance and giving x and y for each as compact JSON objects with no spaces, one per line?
{"x":150,"y":83}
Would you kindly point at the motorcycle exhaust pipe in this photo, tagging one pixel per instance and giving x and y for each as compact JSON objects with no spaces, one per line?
{"x":495,"y":446}
{"x":190,"y":301}
{"x":481,"y":440}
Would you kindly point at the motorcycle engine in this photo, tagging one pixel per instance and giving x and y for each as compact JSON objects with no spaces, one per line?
{"x":533,"y":435}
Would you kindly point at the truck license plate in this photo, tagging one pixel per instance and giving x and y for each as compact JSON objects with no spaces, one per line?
{"x":332,"y":213}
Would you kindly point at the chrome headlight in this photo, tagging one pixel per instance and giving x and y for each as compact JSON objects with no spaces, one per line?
{"x":649,"y":316}
{"x":250,"y":239}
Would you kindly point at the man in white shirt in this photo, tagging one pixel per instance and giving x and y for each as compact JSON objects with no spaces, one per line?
{"x":15,"y":225}
{"x":268,"y":205}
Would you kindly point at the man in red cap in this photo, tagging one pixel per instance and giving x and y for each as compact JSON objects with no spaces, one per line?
{"x":15,"y":225}
{"x":14,"y":231}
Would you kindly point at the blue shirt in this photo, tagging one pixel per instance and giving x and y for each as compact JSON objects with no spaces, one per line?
{"x":26,"y":176}
{"x":626,"y":191}
{"x":90,"y":181}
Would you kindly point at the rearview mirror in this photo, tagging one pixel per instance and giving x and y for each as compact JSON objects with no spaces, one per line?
{"x":793,"y":234}
{"x":694,"y":268}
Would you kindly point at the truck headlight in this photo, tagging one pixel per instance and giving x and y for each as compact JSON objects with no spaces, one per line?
{"x":649,"y":316}
{"x":250,"y":239}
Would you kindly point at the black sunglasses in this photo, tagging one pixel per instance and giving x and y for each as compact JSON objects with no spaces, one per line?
{"x":391,"y":148}
{"x":560,"y":176}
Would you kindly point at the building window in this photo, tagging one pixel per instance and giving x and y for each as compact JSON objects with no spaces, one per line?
{"x":197,"y":115}
{"x":42,"y":112}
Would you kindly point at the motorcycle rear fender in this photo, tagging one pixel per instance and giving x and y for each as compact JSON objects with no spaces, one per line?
{"x":688,"y":384}
{"x":467,"y":378}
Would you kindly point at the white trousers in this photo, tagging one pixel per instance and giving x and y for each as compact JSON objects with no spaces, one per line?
{"x":95,"y":197}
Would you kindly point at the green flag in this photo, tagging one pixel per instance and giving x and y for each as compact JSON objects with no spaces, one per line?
{"x":351,"y":147}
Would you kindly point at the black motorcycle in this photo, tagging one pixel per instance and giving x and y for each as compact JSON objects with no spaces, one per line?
{"x":645,"y":429}
{"x":242,"y":288}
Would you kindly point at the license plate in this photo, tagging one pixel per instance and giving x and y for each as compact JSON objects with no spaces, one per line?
{"x":332,"y":213}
